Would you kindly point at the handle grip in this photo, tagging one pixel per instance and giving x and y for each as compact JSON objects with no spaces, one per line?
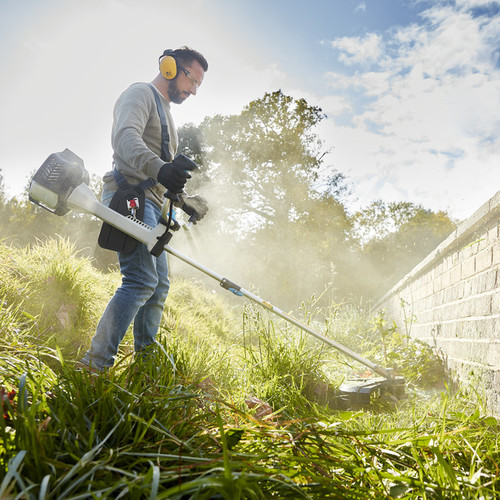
{"x":189,"y":165}
{"x":192,"y":219}
{"x":172,"y":196}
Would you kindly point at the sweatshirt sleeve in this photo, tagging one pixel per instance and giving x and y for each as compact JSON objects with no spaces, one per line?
{"x":136,"y":138}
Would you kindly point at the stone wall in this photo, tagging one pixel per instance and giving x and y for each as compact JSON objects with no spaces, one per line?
{"x":452,"y":301}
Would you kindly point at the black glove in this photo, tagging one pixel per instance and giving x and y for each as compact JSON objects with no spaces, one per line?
{"x":174,"y":175}
{"x":195,"y":206}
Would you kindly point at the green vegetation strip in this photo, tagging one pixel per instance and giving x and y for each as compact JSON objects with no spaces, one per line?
{"x":236,"y":413}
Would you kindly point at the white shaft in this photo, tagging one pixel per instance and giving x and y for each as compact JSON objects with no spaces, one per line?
{"x":83,"y":199}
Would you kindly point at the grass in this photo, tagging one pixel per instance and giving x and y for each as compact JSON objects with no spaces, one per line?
{"x":177,"y":422}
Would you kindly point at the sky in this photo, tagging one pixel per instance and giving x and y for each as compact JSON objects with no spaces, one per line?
{"x":410,"y":88}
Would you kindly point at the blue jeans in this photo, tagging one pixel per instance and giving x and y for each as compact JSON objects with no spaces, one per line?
{"x":139,"y":299}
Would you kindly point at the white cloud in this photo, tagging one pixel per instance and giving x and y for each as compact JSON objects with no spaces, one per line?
{"x":361,"y":7}
{"x":428,"y":125}
{"x":332,"y":105}
{"x":358,"y":50}
{"x":476,"y":3}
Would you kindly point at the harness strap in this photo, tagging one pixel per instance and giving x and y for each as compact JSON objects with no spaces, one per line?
{"x":123,"y":184}
{"x":165,"y":138}
{"x":165,"y":153}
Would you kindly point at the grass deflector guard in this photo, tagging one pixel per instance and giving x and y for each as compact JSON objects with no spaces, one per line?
{"x":61,"y":184}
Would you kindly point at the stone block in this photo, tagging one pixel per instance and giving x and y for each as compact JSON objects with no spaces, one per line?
{"x":481,"y":305}
{"x":493,"y":233}
{"x":496,"y":253}
{"x":467,"y":251}
{"x":456,"y":274}
{"x":437,"y":284}
{"x":477,"y":328}
{"x":493,"y":354}
{"x":484,"y":259}
{"x":468,"y":268}
{"x":495,"y":302}
{"x":484,"y":282}
{"x":484,"y":242}
{"x":446,"y":279}
{"x":439,"y":269}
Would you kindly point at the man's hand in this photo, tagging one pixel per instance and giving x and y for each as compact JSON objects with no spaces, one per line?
{"x":174,"y":175}
{"x":195,"y":206}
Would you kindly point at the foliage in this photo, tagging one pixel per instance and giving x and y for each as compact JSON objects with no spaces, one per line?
{"x":190,"y":309}
{"x":279,"y":218}
{"x":305,"y":255}
{"x":145,"y":431}
{"x":2,"y":190}
{"x":394,"y":237}
{"x":51,"y":283}
{"x":269,"y":155}
{"x":261,"y":171}
{"x":284,"y":367}
{"x":175,"y":422}
{"x":272,"y":158}
{"x":415,"y":360}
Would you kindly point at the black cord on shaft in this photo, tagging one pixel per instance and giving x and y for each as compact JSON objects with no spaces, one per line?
{"x":170,"y":214}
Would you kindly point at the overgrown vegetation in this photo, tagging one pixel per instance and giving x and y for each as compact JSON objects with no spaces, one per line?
{"x":230,"y":403}
{"x":274,"y":204}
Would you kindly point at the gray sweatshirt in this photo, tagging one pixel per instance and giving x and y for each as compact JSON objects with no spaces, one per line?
{"x":136,"y":139}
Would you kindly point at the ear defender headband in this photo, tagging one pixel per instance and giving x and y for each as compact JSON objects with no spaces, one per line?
{"x":168,"y":65}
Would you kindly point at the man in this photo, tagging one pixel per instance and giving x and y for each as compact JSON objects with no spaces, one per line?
{"x":144,"y":154}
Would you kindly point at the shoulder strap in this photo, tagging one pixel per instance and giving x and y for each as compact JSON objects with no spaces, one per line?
{"x":123,"y":184}
{"x":120,"y":179}
{"x":165,"y":138}
{"x":165,"y":153}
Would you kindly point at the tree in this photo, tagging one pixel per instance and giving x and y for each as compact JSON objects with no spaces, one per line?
{"x":191,"y":145}
{"x":263,"y":165}
{"x":401,"y":235}
{"x":273,"y":229}
{"x":269,"y":155}
{"x":304,"y":256}
{"x":379,"y":219}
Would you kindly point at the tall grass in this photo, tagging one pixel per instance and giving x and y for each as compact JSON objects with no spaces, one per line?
{"x":175,"y":422}
{"x":142,"y":431}
{"x":51,"y":282}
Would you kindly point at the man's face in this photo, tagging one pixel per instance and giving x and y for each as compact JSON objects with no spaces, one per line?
{"x":187,"y":81}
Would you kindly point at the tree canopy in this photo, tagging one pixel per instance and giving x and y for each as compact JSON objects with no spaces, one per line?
{"x":268,"y":222}
{"x":261,"y":167}
{"x":269,"y":155}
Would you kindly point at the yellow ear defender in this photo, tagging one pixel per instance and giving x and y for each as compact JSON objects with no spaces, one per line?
{"x":168,"y":65}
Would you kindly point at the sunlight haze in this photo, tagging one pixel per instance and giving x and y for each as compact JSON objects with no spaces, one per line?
{"x":411,"y":89}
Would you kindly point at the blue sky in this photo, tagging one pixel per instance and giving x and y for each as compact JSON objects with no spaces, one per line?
{"x":411,"y":88}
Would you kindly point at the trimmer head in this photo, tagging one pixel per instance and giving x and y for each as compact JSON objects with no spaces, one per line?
{"x":54,"y":181}
{"x":357,"y":392}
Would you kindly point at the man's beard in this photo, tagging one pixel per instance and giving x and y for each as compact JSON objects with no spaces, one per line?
{"x":175,"y":95}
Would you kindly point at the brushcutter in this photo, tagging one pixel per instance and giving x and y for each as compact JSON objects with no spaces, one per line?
{"x":61,"y":185}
